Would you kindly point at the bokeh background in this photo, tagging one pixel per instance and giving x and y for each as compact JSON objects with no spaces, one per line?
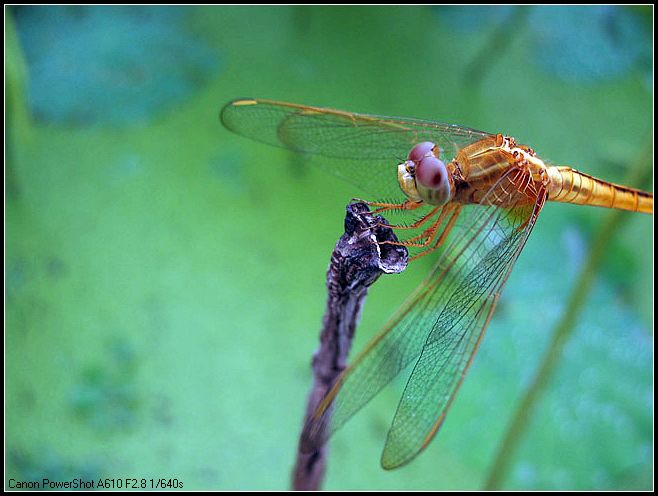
{"x":164,"y":279}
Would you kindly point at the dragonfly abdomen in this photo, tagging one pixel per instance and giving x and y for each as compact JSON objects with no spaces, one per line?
{"x":568,"y":185}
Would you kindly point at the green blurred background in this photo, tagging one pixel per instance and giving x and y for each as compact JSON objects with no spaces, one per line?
{"x":164,"y":279}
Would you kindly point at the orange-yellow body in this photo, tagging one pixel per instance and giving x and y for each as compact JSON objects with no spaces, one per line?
{"x":477,"y":167}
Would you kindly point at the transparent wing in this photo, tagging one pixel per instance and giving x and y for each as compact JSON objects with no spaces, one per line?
{"x":362,"y":149}
{"x":439,"y":327}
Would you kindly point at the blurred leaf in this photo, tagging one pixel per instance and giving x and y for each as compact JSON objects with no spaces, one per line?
{"x":589,"y":44}
{"x":110,"y":64}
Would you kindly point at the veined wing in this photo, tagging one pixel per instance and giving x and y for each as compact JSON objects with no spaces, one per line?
{"x":365,"y":148}
{"x":438,"y":329}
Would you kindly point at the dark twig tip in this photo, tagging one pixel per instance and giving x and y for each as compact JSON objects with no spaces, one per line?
{"x":357,"y":261}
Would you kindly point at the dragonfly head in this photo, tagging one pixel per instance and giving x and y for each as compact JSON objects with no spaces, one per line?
{"x":425,"y":177}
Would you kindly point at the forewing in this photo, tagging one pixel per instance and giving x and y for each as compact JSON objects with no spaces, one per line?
{"x":362,"y":149}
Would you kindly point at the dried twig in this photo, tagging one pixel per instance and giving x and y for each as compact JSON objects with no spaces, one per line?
{"x":357,"y":262}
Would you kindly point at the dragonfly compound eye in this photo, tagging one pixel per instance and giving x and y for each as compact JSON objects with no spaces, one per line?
{"x":422,"y":150}
{"x":432,"y":173}
{"x":432,"y":176}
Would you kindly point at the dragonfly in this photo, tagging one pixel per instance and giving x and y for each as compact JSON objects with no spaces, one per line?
{"x":473,"y":196}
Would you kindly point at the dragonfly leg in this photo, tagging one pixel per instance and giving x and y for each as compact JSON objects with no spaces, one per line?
{"x":385,"y":207}
{"x":428,"y":234}
{"x":416,"y":224}
{"x":442,"y":237}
